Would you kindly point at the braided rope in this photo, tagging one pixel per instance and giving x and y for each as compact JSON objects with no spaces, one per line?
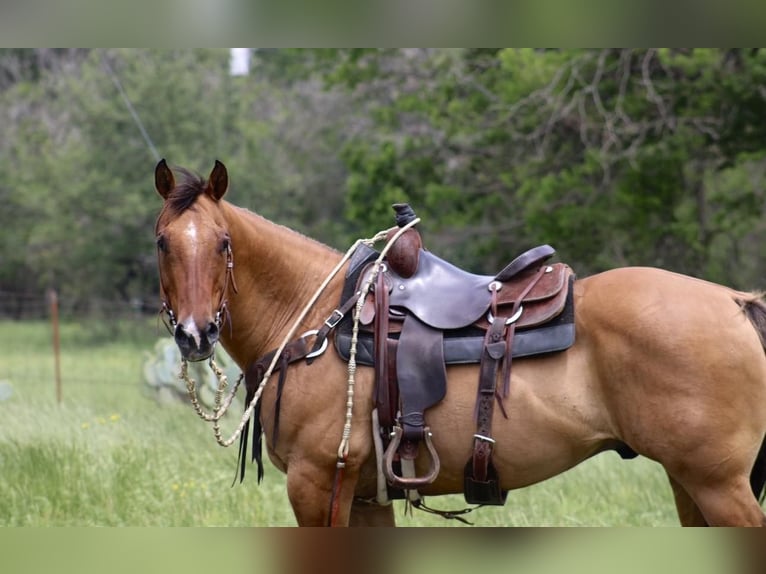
{"x":343,"y":448}
{"x":219,"y":409}
{"x":220,"y":406}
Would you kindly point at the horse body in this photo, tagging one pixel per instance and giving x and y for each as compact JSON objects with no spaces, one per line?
{"x":668,"y":365}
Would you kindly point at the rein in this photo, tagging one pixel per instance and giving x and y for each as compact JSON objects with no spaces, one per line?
{"x":221,"y":404}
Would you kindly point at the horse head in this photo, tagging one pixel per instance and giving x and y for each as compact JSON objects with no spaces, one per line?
{"x":195,"y":257}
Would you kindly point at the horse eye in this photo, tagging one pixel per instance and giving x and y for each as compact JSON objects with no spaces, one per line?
{"x":161,"y":243}
{"x":226,"y":244}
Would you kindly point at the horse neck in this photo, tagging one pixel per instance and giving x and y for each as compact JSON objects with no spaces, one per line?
{"x":277,"y":271}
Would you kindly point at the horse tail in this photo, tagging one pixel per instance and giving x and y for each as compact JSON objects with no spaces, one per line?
{"x":754,"y":308}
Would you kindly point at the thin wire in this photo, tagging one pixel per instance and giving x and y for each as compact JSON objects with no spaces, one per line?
{"x":130,"y":107}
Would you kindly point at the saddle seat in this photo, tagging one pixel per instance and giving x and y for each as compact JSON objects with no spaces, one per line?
{"x":446,"y":297}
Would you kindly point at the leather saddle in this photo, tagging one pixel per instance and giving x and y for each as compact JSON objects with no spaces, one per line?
{"x":423,"y":313}
{"x":445,"y":297}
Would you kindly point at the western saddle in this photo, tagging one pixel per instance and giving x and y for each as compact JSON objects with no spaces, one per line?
{"x":422,"y":314}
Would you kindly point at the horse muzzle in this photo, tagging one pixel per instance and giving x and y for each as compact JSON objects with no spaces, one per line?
{"x":196,"y":344}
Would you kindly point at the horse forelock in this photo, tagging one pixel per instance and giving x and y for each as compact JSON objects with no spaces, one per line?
{"x":184,"y":194}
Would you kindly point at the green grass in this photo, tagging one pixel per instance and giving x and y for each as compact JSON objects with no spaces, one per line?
{"x":111,"y":455}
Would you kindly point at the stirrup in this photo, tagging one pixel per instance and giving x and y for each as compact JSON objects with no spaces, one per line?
{"x":414,"y":482}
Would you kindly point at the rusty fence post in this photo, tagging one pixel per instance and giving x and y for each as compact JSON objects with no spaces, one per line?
{"x":54,"y":310}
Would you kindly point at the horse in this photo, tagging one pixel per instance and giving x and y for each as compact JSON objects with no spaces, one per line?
{"x":668,"y":366}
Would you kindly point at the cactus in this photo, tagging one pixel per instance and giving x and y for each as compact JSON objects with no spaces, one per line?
{"x":6,"y":390}
{"x":162,"y":366}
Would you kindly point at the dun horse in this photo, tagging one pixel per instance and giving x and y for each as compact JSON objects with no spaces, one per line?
{"x":664,"y":365}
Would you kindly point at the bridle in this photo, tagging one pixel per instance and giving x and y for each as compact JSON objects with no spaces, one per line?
{"x":222,"y":315}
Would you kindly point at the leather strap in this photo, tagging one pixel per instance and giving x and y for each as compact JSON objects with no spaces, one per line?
{"x":494,"y":351}
{"x":380,"y":340}
{"x":388,"y":403}
{"x":498,"y":344}
{"x":294,"y":351}
{"x":512,"y":330}
{"x":331,"y":322}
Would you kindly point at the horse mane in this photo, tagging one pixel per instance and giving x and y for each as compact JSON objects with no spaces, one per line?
{"x":189,"y":187}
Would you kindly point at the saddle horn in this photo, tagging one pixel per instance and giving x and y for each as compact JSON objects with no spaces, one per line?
{"x":404,"y":255}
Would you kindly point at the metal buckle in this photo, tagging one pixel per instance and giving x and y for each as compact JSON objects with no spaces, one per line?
{"x":219,"y":315}
{"x":171,"y":315}
{"x":491,"y":318}
{"x":321,"y":349}
{"x":335,"y":317}
{"x":483,"y":438}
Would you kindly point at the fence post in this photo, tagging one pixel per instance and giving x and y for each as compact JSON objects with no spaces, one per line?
{"x":54,"y":307}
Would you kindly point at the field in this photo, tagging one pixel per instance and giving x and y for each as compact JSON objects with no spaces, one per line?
{"x":111,"y":455}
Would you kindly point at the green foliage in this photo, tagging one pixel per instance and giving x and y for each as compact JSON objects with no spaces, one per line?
{"x":78,"y":198}
{"x":617,"y":157}
{"x":614,"y":156}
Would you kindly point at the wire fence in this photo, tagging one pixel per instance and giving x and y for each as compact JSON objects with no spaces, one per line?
{"x":108,"y":344}
{"x":113,"y":350}
{"x":22,"y":305}
{"x":25,"y":305}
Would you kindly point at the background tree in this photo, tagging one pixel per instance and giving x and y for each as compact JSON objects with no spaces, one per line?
{"x":614,"y":156}
{"x":80,"y":204}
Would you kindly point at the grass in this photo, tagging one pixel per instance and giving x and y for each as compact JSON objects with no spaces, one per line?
{"x":111,"y":455}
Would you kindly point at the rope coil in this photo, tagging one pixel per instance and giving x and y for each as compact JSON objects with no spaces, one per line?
{"x":221,"y":404}
{"x":343,"y":448}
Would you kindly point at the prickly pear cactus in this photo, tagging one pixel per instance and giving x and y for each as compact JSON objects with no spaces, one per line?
{"x":162,"y":366}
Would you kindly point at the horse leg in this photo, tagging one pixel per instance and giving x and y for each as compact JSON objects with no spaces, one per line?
{"x":728,"y":502}
{"x":365,"y":513}
{"x":715,"y":478}
{"x":688,"y":512}
{"x":310,"y":491}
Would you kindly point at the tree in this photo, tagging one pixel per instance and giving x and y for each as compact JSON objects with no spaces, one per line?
{"x":615,"y":156}
{"x":79,"y":183}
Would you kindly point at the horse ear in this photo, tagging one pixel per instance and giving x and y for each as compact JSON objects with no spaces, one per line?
{"x":218,"y":182}
{"x":164,"y":181}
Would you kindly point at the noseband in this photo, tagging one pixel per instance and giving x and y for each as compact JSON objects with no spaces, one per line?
{"x":222,"y":314}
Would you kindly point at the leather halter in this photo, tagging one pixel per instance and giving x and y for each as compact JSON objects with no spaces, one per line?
{"x":222,"y":314}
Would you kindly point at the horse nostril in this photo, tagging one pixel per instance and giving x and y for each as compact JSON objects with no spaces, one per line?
{"x":196,"y":343}
{"x":211,"y":333}
{"x":182,"y":337}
